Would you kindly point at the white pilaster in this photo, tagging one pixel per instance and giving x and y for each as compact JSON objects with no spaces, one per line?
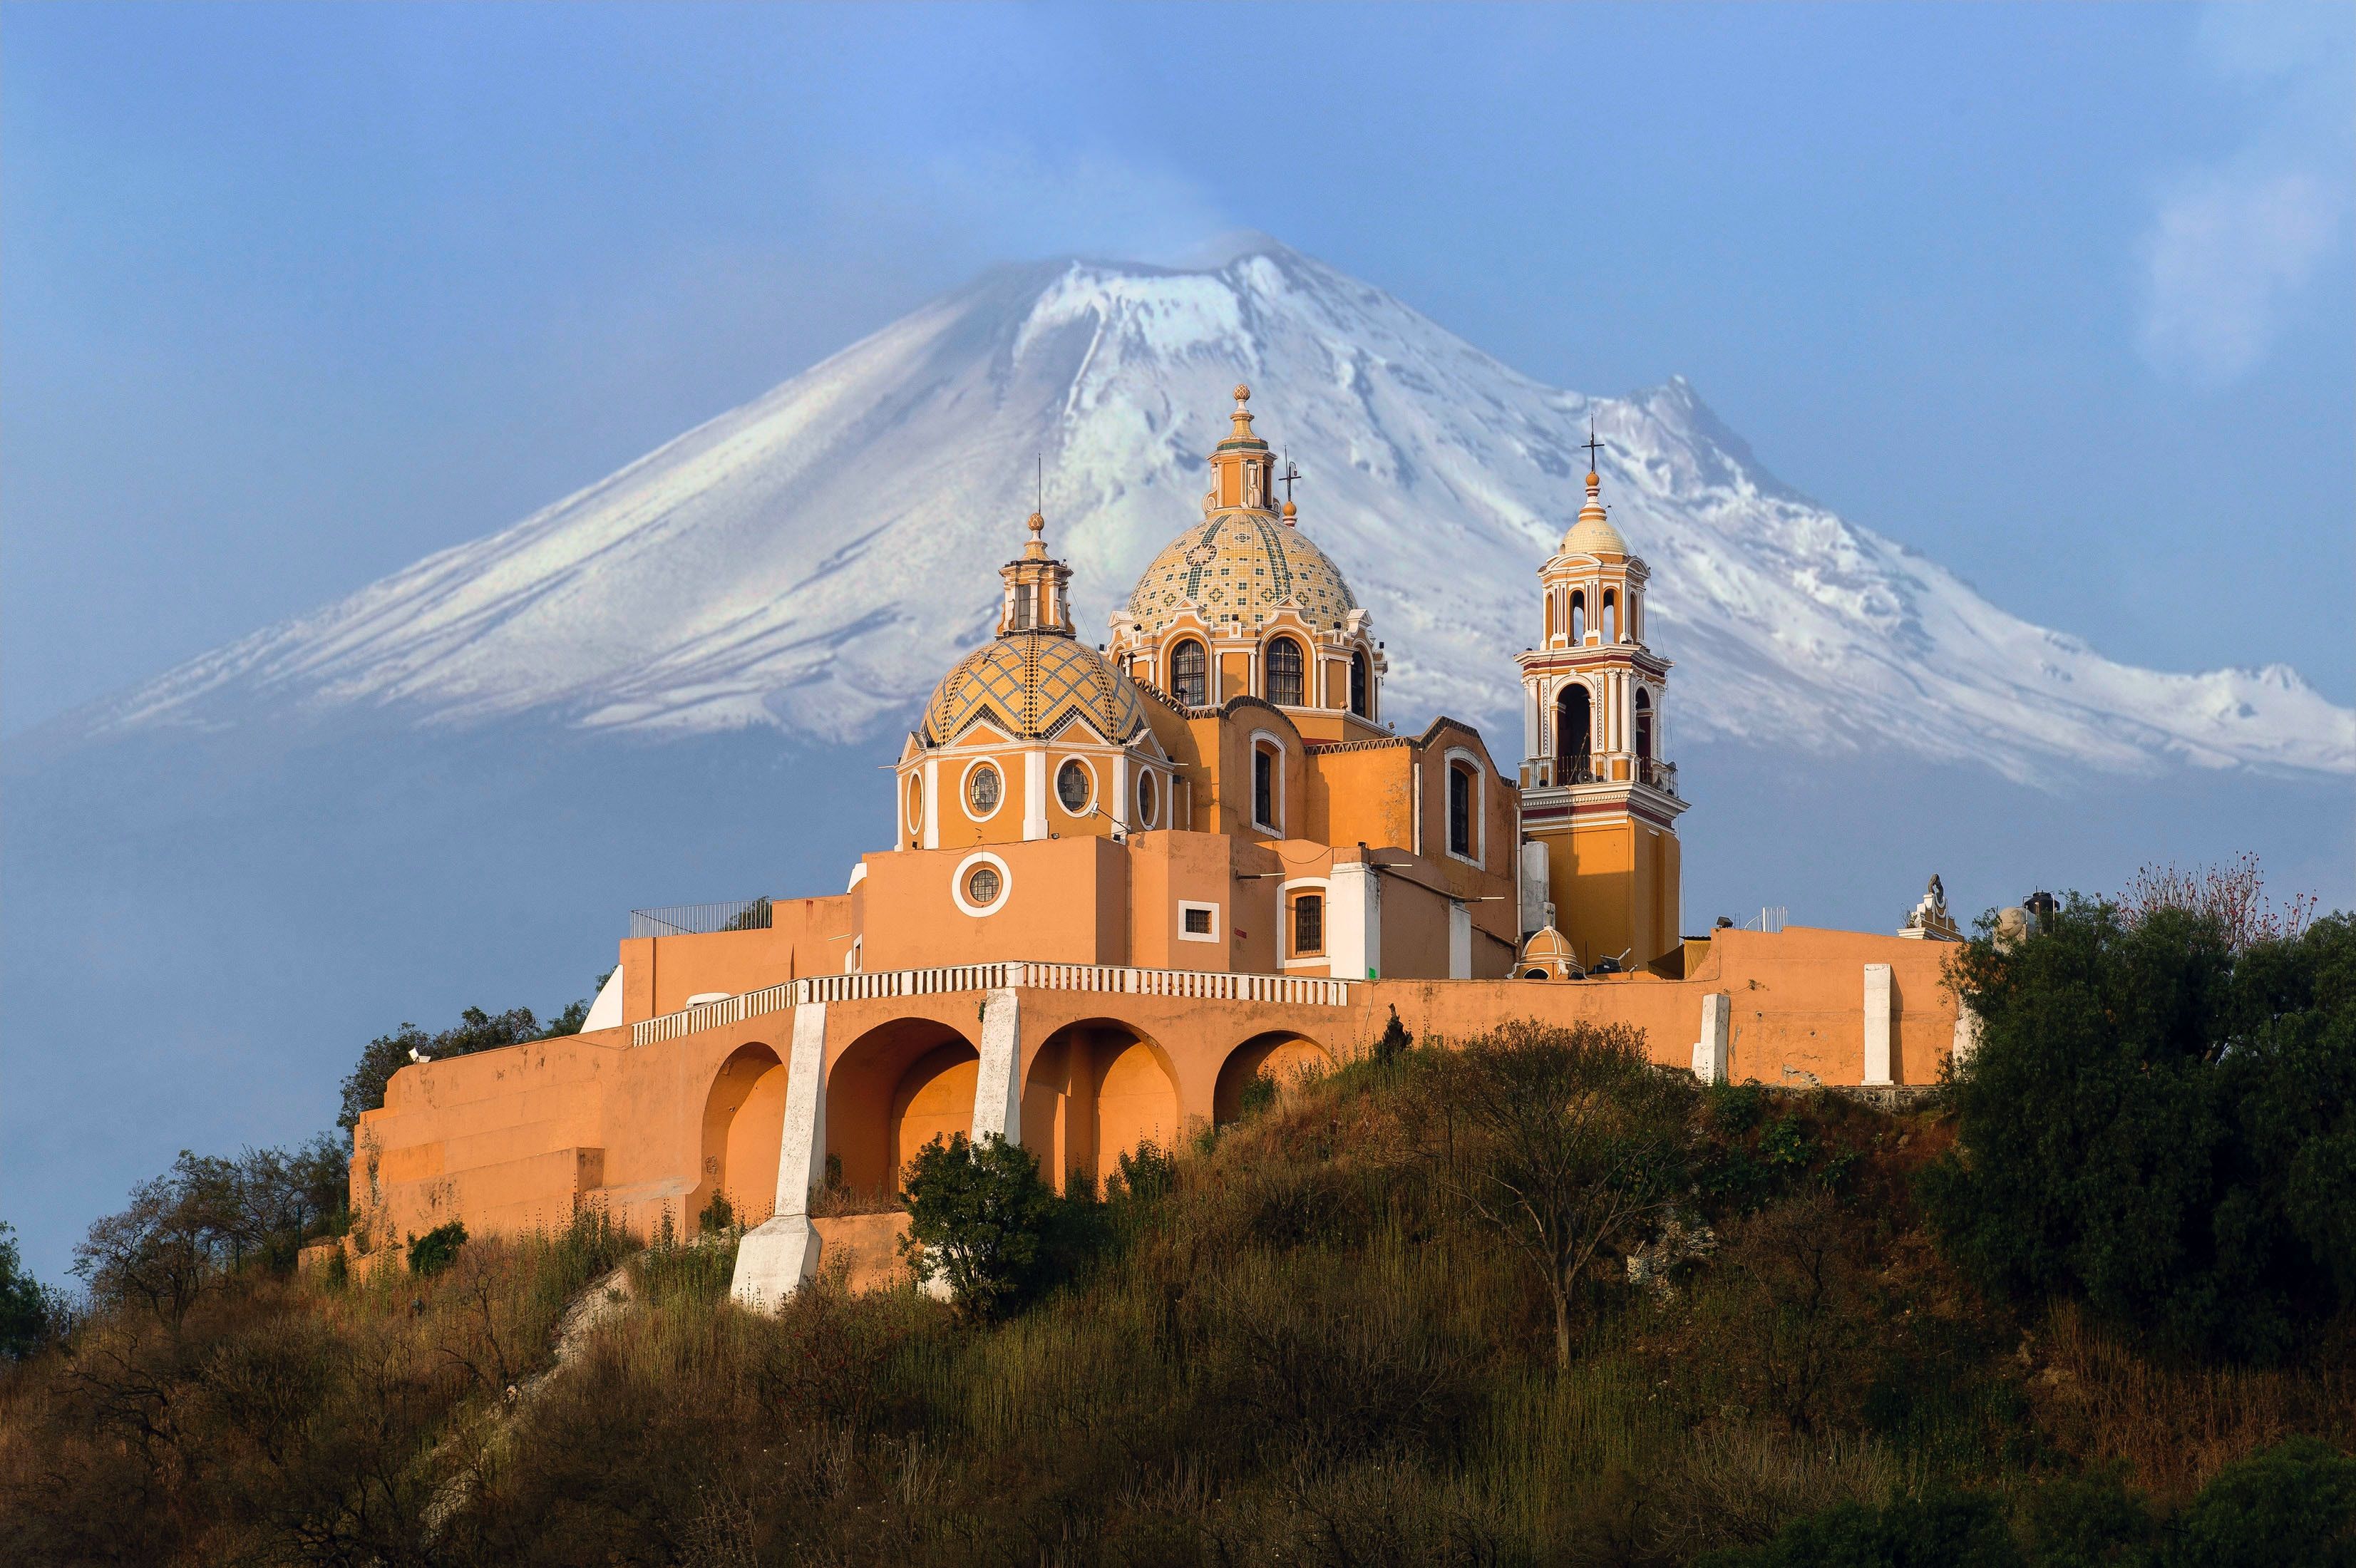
{"x":1713,"y":1054}
{"x":998,"y":1087}
{"x":1460,"y":941}
{"x":780,"y":1256}
{"x":1034,"y":793}
{"x":1121,"y":795}
{"x":1967,"y":1033}
{"x":1534,"y":887}
{"x":932,"y":803}
{"x":1354,"y":921}
{"x":1877,"y":991}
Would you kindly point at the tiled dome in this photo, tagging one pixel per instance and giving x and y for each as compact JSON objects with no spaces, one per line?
{"x":1032,"y":684}
{"x":1241,"y":565}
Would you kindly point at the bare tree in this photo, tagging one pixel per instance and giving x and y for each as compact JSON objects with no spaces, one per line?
{"x":2233,"y":895}
{"x":1562,"y":1140}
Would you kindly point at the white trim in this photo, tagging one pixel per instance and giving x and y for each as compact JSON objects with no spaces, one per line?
{"x":1477,"y":816}
{"x":965,"y":791}
{"x":932,"y":802}
{"x":858,"y":875}
{"x":1354,"y":921}
{"x":1145,"y":784}
{"x":858,"y":945}
{"x":1085,"y":767}
{"x":965,"y":867}
{"x":1284,"y":891}
{"x":1186,"y":935}
{"x":1459,"y":940}
{"x":1034,"y":793}
{"x":605,"y":1012}
{"x":1276,"y":782}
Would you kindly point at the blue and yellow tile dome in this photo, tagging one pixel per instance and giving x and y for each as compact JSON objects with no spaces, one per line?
{"x":1241,"y":565}
{"x":1033,"y":685}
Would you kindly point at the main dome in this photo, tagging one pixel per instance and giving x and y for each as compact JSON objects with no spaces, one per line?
{"x":1241,"y":565}
{"x":1033,"y":684}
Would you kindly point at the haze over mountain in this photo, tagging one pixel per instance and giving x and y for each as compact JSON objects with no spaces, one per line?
{"x":815,"y":558}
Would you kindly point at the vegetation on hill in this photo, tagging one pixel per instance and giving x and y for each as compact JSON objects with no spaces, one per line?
{"x":1526,"y":1300}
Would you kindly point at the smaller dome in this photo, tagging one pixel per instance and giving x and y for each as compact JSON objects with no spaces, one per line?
{"x":1546,"y":944}
{"x":1593,"y":534}
{"x":1033,"y":684}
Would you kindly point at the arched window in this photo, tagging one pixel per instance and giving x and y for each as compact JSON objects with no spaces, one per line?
{"x":1610,"y":617}
{"x":1190,"y":674}
{"x":1461,"y":786}
{"x":1264,"y":787}
{"x":1284,"y":673}
{"x":1644,"y":727}
{"x":1359,"y":684}
{"x":1578,"y":617}
{"x":1574,"y":740}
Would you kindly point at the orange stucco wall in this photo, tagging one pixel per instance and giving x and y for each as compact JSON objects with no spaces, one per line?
{"x":515,"y":1138}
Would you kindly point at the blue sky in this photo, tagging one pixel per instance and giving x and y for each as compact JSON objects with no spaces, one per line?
{"x":2059,"y":295}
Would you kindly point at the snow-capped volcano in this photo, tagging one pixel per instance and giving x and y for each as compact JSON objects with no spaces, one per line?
{"x":816,"y":559}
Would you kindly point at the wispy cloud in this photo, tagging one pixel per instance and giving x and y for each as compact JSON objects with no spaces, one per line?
{"x":2235,"y":241}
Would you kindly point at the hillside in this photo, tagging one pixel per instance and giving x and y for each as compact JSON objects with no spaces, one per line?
{"x":1316,"y":1337}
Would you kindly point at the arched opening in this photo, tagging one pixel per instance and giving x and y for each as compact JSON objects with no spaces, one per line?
{"x":1361,"y":685}
{"x":1264,"y":803}
{"x":1611,"y":616}
{"x":1574,"y":743}
{"x":744,"y":1124}
{"x":1288,"y":1060}
{"x":1644,"y":727}
{"x":891,"y":1091}
{"x":1190,"y":673}
{"x":1284,"y":668}
{"x":1534,"y":973}
{"x":1577,"y":617}
{"x":1097,"y":1090}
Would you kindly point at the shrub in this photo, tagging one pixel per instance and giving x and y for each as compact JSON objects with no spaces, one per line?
{"x":2293,"y":1506}
{"x":25,"y":1315}
{"x":719,"y":1215}
{"x":1953,"y":1531}
{"x":2160,"y":1121}
{"x":436,"y":1250}
{"x":978,"y":1218}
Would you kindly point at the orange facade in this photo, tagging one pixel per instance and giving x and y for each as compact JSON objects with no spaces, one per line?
{"x":1123,"y":883}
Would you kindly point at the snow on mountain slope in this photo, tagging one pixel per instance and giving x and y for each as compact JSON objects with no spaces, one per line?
{"x":816,"y":559}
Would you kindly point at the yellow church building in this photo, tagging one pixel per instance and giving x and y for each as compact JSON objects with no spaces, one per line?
{"x":1123,"y":883}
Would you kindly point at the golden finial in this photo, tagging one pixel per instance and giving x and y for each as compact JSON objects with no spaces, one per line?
{"x":1037,"y":548}
{"x":1242,"y":429}
{"x":1289,"y":514}
{"x":1243,"y":393}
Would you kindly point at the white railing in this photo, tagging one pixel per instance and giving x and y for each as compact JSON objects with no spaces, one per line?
{"x":1192,"y":984}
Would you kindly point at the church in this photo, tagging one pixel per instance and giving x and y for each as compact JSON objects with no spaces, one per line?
{"x":1126,"y":880}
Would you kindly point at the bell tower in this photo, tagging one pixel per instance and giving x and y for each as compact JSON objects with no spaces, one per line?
{"x":1600,"y":799}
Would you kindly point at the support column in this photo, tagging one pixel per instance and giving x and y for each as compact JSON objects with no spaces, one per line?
{"x":781,"y":1255}
{"x":998,"y":1087}
{"x":1460,"y":941}
{"x":1354,"y":921}
{"x":1713,"y":1054}
{"x":932,"y":803}
{"x":1034,"y":793}
{"x":1877,"y":991}
{"x":1967,"y":1033}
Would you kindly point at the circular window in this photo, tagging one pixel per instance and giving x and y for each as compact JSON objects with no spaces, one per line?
{"x":1145,"y":801}
{"x":1073,"y":783}
{"x":981,"y":886}
{"x":981,"y":789}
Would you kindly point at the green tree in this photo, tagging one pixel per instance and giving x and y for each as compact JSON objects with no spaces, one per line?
{"x":1953,"y":1531}
{"x":2159,"y":1121}
{"x":2293,"y":1506}
{"x":979,"y":1218}
{"x":24,"y":1305}
{"x":1561,"y":1140}
{"x":388,"y":1053}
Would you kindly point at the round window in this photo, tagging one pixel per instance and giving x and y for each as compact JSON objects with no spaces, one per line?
{"x":1145,"y":800}
{"x":1072,"y":784}
{"x":981,"y":886}
{"x":981,"y":789}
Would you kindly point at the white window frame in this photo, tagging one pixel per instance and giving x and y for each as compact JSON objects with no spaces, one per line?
{"x":964,"y":868}
{"x":965,"y":789}
{"x":1478,"y":821}
{"x":1055,"y":784}
{"x":1149,"y":820}
{"x":1185,"y":935}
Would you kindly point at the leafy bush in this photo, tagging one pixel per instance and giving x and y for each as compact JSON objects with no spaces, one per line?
{"x":1953,"y":1531}
{"x":436,"y":1250}
{"x":24,"y":1308}
{"x":475,"y":1030}
{"x":2292,"y":1507}
{"x":2160,"y":1121}
{"x":978,"y":1218}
